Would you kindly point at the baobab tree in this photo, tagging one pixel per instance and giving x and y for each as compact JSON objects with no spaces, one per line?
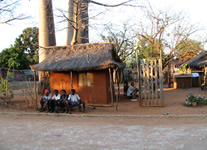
{"x":46,"y":37}
{"x":78,"y":19}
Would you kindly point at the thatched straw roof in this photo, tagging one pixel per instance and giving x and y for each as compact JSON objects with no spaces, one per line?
{"x":198,"y":61}
{"x":80,"y":57}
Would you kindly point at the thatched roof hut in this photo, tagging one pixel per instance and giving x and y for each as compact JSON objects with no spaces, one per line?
{"x":81,"y":57}
{"x":198,"y":61}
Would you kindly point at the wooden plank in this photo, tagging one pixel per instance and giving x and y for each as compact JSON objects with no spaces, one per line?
{"x":71,"y":80}
{"x":140,"y":82}
{"x":111,"y":87}
{"x":147,"y":78}
{"x":139,"y":78}
{"x":152,"y":84}
{"x":35,"y":89}
{"x":156,"y":93}
{"x":118,"y":90}
{"x":161,"y":83}
{"x":144,"y":83}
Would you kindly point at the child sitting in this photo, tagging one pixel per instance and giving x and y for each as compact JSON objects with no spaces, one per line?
{"x":74,"y":100}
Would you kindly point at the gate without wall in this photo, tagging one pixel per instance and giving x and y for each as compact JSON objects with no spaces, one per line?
{"x":150,"y":80}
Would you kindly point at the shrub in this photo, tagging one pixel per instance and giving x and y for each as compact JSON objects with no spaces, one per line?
{"x":191,"y":98}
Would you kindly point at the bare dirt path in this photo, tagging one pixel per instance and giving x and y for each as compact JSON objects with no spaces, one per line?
{"x":174,"y":105}
{"x":65,"y":132}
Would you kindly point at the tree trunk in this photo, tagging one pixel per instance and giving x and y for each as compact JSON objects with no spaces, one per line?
{"x":70,"y":28}
{"x":168,"y":73}
{"x":82,"y":36}
{"x":77,"y":30}
{"x":46,"y":37}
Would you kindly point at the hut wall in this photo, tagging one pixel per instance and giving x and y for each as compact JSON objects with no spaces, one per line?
{"x":183,"y":83}
{"x":97,"y":94}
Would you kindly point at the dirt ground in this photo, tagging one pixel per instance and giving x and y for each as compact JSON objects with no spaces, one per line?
{"x":106,"y":128}
{"x":65,"y":132}
{"x":173,"y":104}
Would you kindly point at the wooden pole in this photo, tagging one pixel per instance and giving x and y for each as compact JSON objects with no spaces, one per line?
{"x":152,"y":81}
{"x":111,"y":87}
{"x":71,"y":80}
{"x":161,"y":86}
{"x":118,"y":91}
{"x":144,"y":78}
{"x":35,"y":91}
{"x":148,"y":88}
{"x":139,"y":77}
{"x":156,"y":94}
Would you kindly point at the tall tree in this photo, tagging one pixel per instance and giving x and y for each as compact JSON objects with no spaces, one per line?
{"x":28,"y":41}
{"x":78,"y":19}
{"x":165,"y":30}
{"x":124,"y":40}
{"x":188,"y":49}
{"x":46,"y":38}
{"x":23,"y":53}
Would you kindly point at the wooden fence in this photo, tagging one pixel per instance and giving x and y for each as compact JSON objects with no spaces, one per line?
{"x":150,"y":81}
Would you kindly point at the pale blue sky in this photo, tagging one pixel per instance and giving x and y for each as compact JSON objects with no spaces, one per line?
{"x":195,"y":9}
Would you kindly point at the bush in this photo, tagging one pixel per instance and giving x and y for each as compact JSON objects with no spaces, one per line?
{"x":205,"y":102}
{"x":199,"y":100}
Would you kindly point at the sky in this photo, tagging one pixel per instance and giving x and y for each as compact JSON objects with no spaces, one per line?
{"x":194,"y":9}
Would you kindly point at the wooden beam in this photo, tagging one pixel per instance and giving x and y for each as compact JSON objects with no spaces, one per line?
{"x":71,"y":80}
{"x":35,"y":91}
{"x":139,"y":78}
{"x":156,"y":94}
{"x":152,"y":81}
{"x":161,"y":84}
{"x":111,"y":87}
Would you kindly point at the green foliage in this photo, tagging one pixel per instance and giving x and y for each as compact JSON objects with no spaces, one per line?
{"x":148,"y":50}
{"x":5,"y":86}
{"x":191,"y":98}
{"x":131,"y":62}
{"x":205,"y":102}
{"x":23,"y":53}
{"x":184,"y":67}
{"x":189,"y":48}
{"x":199,"y":100}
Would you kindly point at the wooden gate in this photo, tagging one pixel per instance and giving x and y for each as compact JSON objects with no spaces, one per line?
{"x":150,"y":80}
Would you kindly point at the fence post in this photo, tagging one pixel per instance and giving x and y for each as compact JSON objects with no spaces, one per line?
{"x":35,"y":91}
{"x":111,"y":87}
{"x":152,"y":84}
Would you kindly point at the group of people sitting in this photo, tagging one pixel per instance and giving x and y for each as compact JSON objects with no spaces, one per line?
{"x":63,"y":101}
{"x":129,"y":90}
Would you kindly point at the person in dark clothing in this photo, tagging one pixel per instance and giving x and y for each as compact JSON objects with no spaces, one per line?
{"x":126,"y":86}
{"x":64,"y":102}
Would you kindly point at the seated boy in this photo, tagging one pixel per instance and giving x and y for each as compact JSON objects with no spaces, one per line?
{"x":74,"y":100}
{"x":64,"y":101}
{"x":131,"y":92}
{"x":54,"y":102}
{"x":44,"y":100}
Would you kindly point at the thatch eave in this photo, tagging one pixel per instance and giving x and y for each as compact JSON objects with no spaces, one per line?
{"x":81,"y":57}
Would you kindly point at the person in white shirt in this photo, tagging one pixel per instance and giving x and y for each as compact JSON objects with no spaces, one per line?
{"x":54,"y":102}
{"x":44,"y":100}
{"x":131,"y":92}
{"x":74,"y":100}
